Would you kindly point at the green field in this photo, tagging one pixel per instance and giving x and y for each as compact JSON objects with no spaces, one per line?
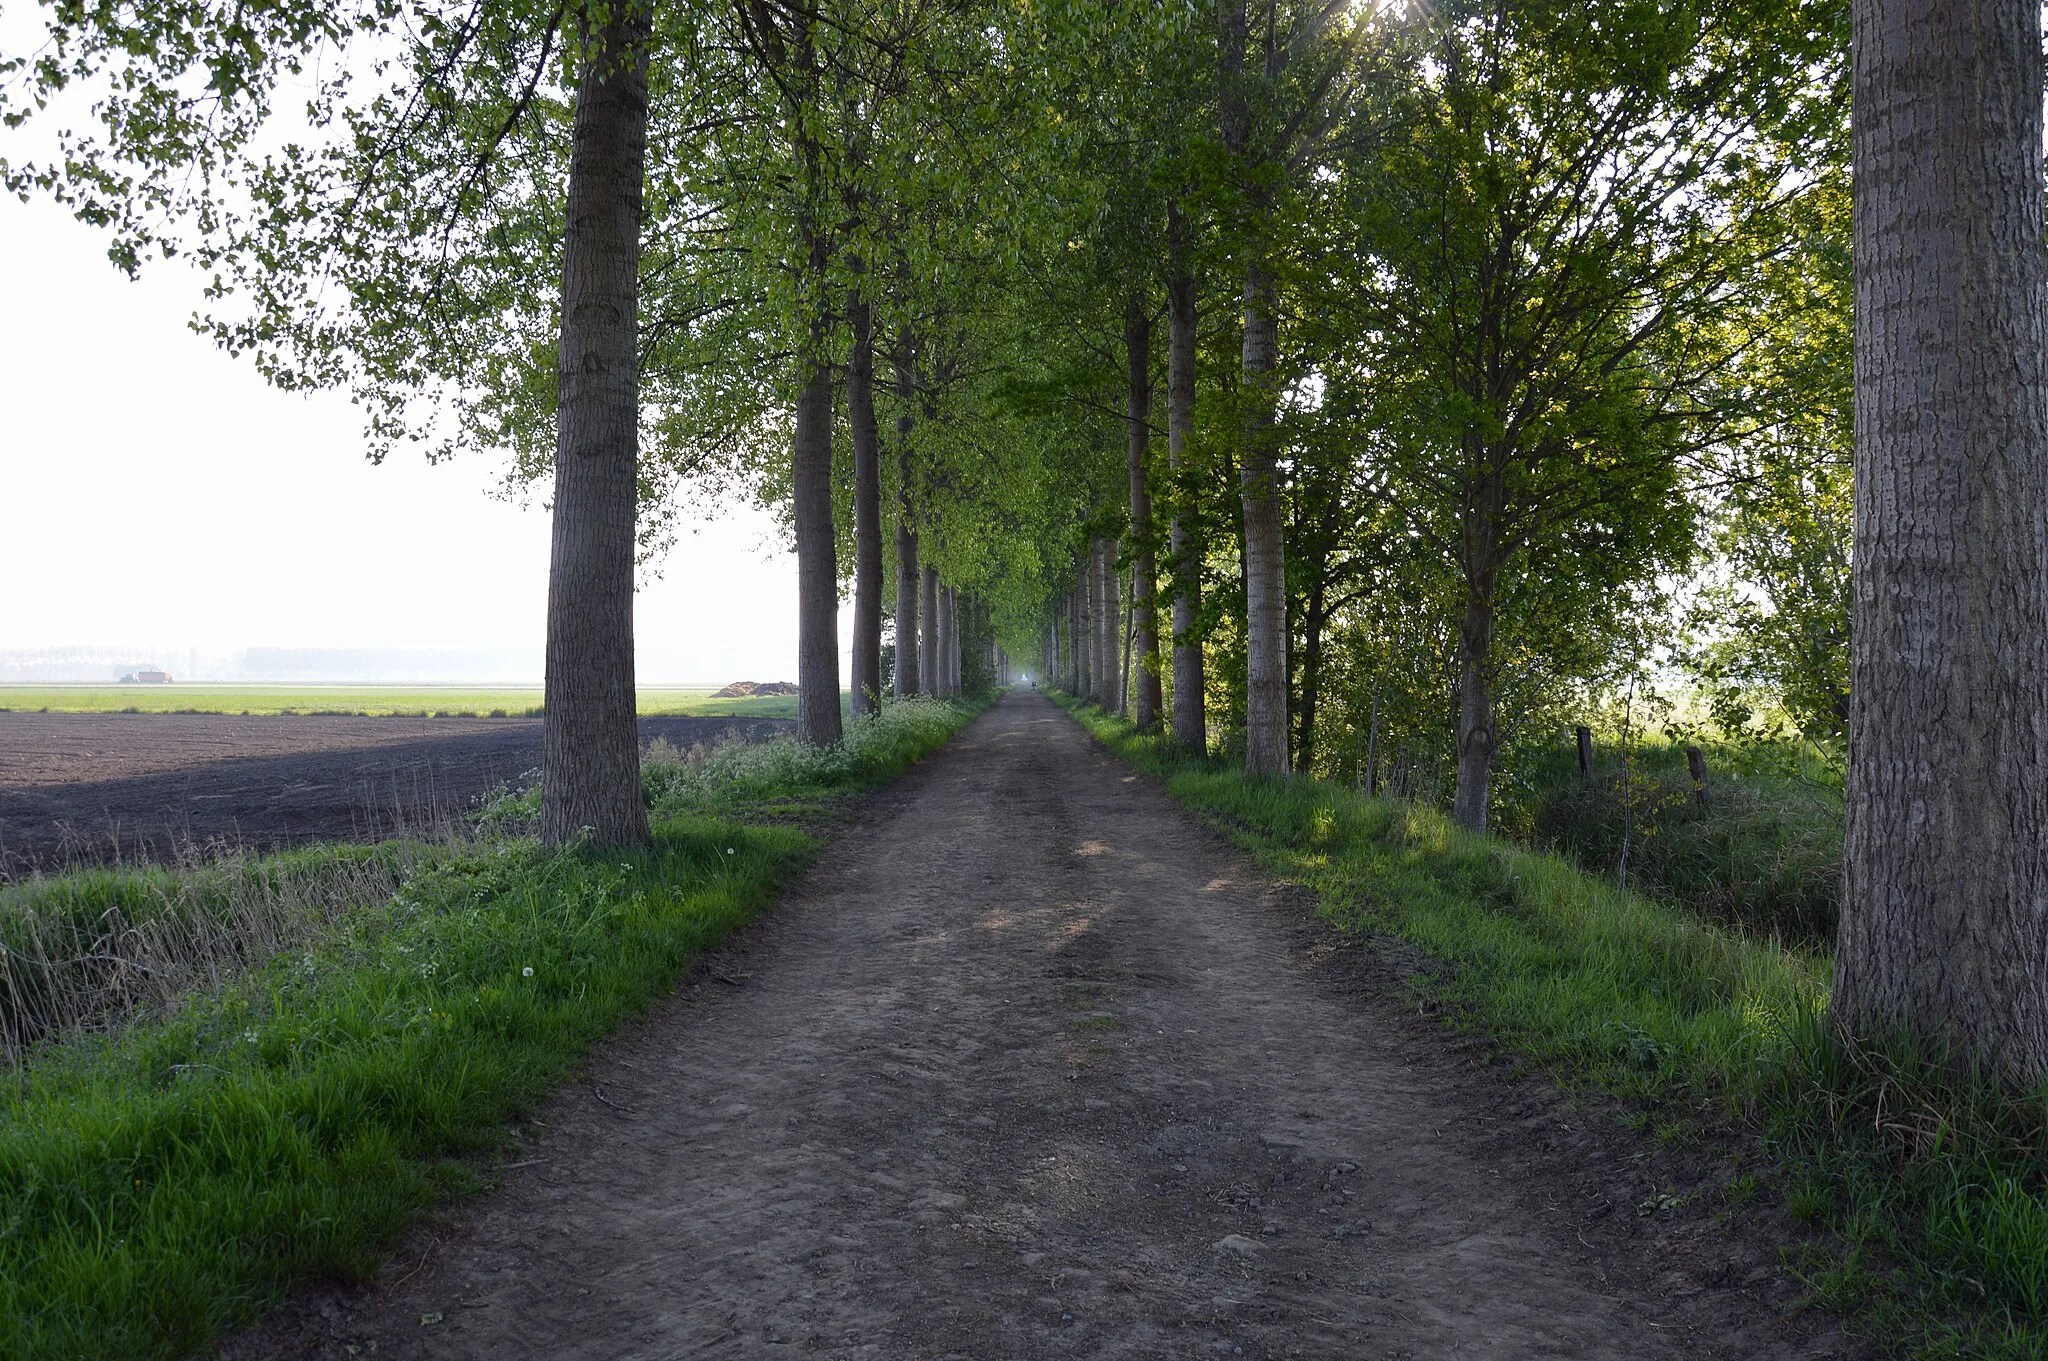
{"x":452,"y":701}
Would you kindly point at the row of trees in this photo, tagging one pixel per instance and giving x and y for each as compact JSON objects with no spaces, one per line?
{"x":1347,"y":385}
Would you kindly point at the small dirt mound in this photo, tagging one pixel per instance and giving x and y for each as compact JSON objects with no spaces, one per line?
{"x":745,"y":689}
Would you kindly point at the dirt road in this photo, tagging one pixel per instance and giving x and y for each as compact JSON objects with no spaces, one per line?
{"x":98,"y":788}
{"x":1032,"y":1067}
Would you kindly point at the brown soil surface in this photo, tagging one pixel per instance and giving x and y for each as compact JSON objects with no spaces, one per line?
{"x":1034,"y":1066}
{"x":95,"y":788}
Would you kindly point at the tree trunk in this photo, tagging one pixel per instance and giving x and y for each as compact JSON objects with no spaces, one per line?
{"x":1084,"y":621}
{"x":1098,"y":634}
{"x":1944,"y":926}
{"x":928,"y":641}
{"x":817,"y":559}
{"x":1265,"y":560}
{"x":1241,"y":93}
{"x":1372,"y":740}
{"x":907,"y":573}
{"x":1123,"y":674}
{"x":867,"y":511}
{"x":1109,"y":628}
{"x":1075,"y":644}
{"x":943,"y":669}
{"x":1476,"y":740}
{"x":1144,"y":603}
{"x":590,"y":788}
{"x":1190,"y":723}
{"x":1313,"y":620}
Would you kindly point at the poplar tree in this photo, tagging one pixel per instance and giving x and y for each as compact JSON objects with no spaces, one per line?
{"x":1944,"y":927}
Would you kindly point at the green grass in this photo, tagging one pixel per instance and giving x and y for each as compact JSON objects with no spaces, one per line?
{"x":1923,"y":1189}
{"x":1764,"y":851}
{"x":370,"y":700}
{"x":167,"y":1179}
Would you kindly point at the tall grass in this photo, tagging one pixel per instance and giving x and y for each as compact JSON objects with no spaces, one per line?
{"x":170,"y":1165}
{"x":1927,"y":1183}
{"x":736,"y":774}
{"x":99,"y":949}
{"x":1763,"y":850}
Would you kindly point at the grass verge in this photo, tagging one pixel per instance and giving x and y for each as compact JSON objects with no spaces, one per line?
{"x":1927,"y":1189}
{"x":165,"y":1180}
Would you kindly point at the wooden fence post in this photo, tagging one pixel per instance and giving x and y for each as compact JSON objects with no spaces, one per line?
{"x":1696,"y":763}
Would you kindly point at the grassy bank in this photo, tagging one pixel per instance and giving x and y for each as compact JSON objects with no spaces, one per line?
{"x":375,"y":701}
{"x":1926,"y":1191}
{"x":1761,"y":849}
{"x":356,"y":1029}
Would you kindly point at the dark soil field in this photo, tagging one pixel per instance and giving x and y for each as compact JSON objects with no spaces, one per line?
{"x":78,"y":789}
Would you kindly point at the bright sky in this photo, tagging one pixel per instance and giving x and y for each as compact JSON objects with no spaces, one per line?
{"x":154,"y":492}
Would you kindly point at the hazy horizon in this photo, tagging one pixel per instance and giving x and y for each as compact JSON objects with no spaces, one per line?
{"x":159,"y":496}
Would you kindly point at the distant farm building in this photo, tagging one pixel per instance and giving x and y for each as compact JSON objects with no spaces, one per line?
{"x":147,"y":676}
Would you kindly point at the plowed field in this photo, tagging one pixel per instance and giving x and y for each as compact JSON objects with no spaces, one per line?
{"x":102,"y":788}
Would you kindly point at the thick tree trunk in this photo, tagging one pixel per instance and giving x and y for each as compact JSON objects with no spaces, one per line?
{"x":1476,"y":740}
{"x":1241,"y":91}
{"x":1480,"y":559}
{"x":928,"y":641}
{"x":948,"y":641}
{"x":590,"y":787}
{"x":1190,"y":723}
{"x":817,"y":561}
{"x":1944,"y":926}
{"x":908,"y":574}
{"x":1265,"y":560}
{"x":867,"y":511}
{"x":1144,"y":570}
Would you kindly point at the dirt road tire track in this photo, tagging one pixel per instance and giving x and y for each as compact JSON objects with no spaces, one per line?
{"x":1033,"y":1066}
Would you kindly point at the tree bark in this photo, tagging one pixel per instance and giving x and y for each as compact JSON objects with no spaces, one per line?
{"x":590,"y":788}
{"x":1476,"y":738}
{"x":1098,"y":633}
{"x":1125,"y":637}
{"x":1480,"y":559}
{"x":1265,"y":559}
{"x":1313,"y":620}
{"x":907,"y":571}
{"x":1084,"y":622}
{"x":867,"y":510}
{"x":928,"y":650}
{"x":1190,"y":722}
{"x":1144,"y":569}
{"x":1944,"y":926}
{"x":1109,"y":626}
{"x":1074,"y":643}
{"x":817,"y":559}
